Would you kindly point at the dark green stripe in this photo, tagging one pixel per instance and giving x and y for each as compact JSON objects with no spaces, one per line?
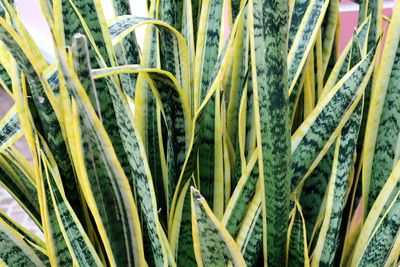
{"x":270,"y":35}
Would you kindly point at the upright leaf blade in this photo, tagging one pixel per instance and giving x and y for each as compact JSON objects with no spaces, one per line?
{"x":214,"y":246}
{"x":269,"y":73}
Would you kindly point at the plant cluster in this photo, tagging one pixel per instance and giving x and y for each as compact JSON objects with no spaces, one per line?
{"x":236,"y":135}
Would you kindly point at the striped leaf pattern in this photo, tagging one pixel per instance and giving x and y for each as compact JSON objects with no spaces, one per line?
{"x":236,"y":134}
{"x":271,"y":111}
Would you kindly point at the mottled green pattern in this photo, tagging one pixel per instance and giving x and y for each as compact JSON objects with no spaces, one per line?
{"x":252,"y":246}
{"x":9,"y":128}
{"x":250,"y":127}
{"x":88,"y":10}
{"x":81,"y":247}
{"x":344,"y":163}
{"x":171,"y":12}
{"x":369,"y":7}
{"x":313,"y":191}
{"x":83,"y":68}
{"x":141,"y":178}
{"x":45,"y":118}
{"x":381,"y":242}
{"x":5,"y":78}
{"x":13,"y":254}
{"x":175,"y":115}
{"x":299,"y":8}
{"x":129,"y":51}
{"x":386,"y":148}
{"x":314,"y":187}
{"x":19,"y":186}
{"x":213,"y":249}
{"x":239,"y":209}
{"x":208,"y":63}
{"x":302,"y":41}
{"x":327,"y":120}
{"x":53,"y":231}
{"x":185,"y":252}
{"x":151,"y":139}
{"x":72,"y":24}
{"x":106,"y":185}
{"x":363,"y":31}
{"x":52,"y":80}
{"x":176,"y":120}
{"x":271,"y":69}
{"x":198,"y":124}
{"x":171,"y":51}
{"x":210,"y":47}
{"x":296,"y":243}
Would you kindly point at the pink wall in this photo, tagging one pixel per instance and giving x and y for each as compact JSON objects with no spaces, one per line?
{"x":349,"y":19}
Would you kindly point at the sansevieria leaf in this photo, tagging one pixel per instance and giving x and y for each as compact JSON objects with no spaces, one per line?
{"x":79,"y":245}
{"x":269,"y":73}
{"x":107,"y":189}
{"x":10,"y":129}
{"x":213,"y":246}
{"x":14,"y":251}
{"x":382,"y":129}
{"x":346,"y":93}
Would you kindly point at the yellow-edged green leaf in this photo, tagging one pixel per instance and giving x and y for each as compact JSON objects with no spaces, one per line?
{"x":345,"y":147}
{"x":79,"y":246}
{"x":319,"y":130}
{"x":13,"y":249}
{"x":213,"y":246}
{"x":10,"y":128}
{"x":106,"y":187}
{"x":382,"y":131}
{"x":267,"y":25}
{"x":16,"y":175}
{"x":297,"y":254}
{"x":304,"y":40}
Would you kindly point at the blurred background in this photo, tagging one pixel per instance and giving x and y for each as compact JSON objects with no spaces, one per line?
{"x":35,"y":23}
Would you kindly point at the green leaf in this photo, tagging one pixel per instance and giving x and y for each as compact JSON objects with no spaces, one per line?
{"x":16,"y":175}
{"x":175,"y":109}
{"x":296,"y":16}
{"x":269,"y":70}
{"x":382,"y":240}
{"x":241,"y":197}
{"x":214,"y":246}
{"x":10,"y":128}
{"x":14,"y":251}
{"x":79,"y":246}
{"x":105,"y":185}
{"x":43,"y":107}
{"x":55,"y":243}
{"x":328,"y":239}
{"x":250,"y":235}
{"x":314,"y":188}
{"x":128,"y":51}
{"x":319,"y":130}
{"x":382,"y":132}
{"x":297,"y":254}
{"x":181,"y":239}
{"x":304,"y":40}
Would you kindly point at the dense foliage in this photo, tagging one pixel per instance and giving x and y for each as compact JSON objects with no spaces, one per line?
{"x":235,"y":135}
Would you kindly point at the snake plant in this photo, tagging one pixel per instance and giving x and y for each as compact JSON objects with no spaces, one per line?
{"x":235,"y":134}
